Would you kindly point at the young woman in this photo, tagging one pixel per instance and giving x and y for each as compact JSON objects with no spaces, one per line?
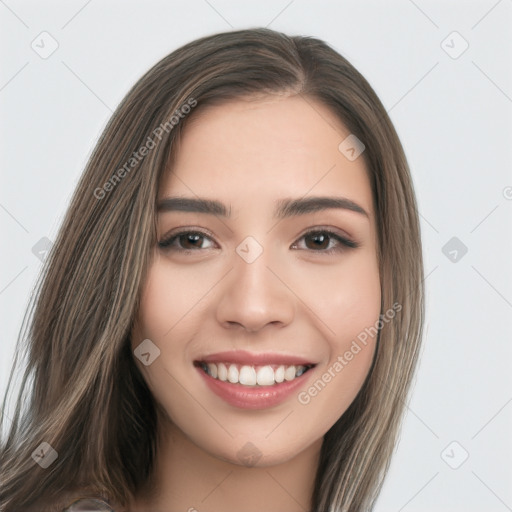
{"x":231,"y":315}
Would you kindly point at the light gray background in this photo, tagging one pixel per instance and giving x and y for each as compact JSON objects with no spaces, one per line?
{"x":453,"y":115}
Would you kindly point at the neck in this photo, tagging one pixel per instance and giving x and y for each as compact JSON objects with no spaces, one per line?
{"x":187,"y":478}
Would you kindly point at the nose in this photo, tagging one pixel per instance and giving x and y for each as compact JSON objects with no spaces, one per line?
{"x":253,"y":295}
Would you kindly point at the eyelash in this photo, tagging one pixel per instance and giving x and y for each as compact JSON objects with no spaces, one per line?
{"x":345,"y":243}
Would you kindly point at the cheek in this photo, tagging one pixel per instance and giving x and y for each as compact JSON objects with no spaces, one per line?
{"x":171,"y":308}
{"x":344,"y":298}
{"x":166,"y":314}
{"x":163,"y":303}
{"x":345,"y":305}
{"x":168,"y":298}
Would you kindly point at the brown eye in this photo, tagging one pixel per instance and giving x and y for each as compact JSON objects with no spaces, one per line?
{"x":186,"y":241}
{"x":324,"y":241}
{"x":191,"y":241}
{"x":317,"y":241}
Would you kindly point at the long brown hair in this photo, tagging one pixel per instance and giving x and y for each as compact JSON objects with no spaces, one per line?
{"x":80,"y":390}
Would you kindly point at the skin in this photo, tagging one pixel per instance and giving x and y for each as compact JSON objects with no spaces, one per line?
{"x":300,"y":301}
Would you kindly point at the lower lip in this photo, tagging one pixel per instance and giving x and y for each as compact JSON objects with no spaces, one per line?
{"x":254,"y":397}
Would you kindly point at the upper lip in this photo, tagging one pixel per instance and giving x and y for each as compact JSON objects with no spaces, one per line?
{"x":243,"y":357}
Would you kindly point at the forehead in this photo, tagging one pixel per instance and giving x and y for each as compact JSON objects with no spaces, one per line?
{"x":255,"y":150}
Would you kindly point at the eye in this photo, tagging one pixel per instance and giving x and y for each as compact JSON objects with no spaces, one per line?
{"x":319,"y":240}
{"x":186,"y":241}
{"x":324,"y":241}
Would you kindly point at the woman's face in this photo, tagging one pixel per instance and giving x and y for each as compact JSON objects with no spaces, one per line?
{"x":260,"y":281}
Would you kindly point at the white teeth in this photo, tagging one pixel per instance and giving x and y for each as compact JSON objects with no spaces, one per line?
{"x":289,"y":373}
{"x":249,"y":376}
{"x":265,"y":376}
{"x":222,"y":371}
{"x":279,"y":374}
{"x":233,"y":374}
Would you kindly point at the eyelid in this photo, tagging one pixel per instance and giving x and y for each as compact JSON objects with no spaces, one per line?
{"x":328,"y":229}
{"x":169,"y":237}
{"x":345,"y":241}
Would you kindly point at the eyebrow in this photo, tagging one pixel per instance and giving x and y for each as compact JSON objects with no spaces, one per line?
{"x":284,"y":207}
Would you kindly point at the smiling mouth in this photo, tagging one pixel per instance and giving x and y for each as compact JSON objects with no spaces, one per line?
{"x":253,"y":375}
